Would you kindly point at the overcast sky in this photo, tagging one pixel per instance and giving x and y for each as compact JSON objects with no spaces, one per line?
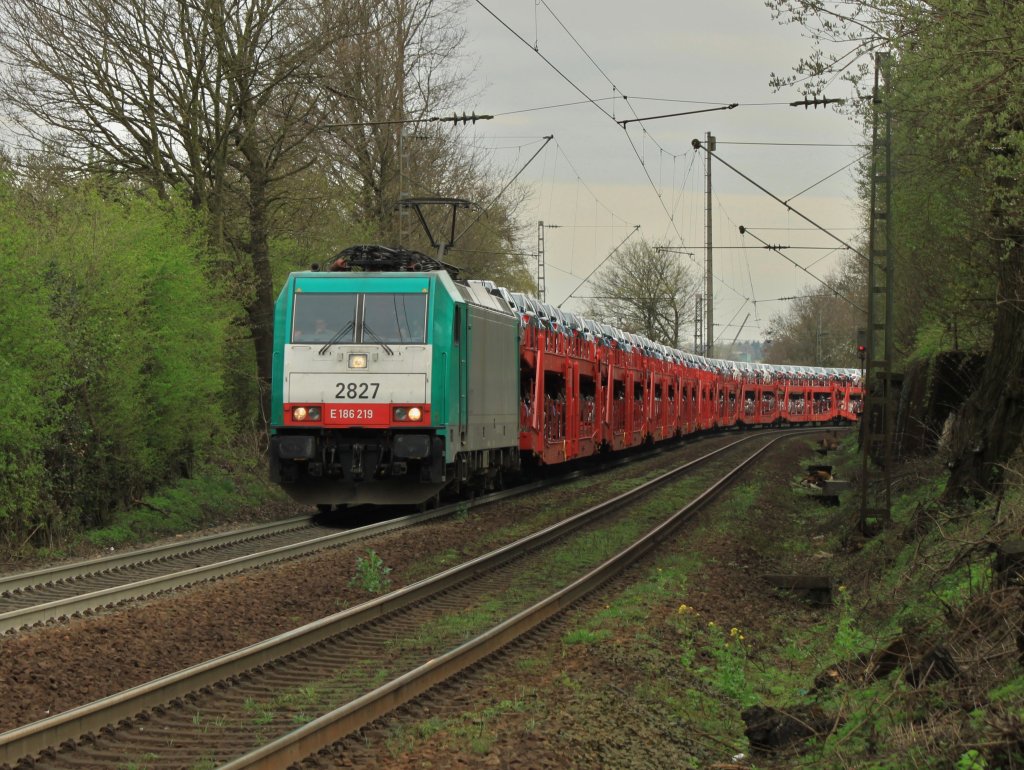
{"x":596,"y":180}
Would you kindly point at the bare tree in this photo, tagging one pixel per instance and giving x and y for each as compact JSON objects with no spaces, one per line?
{"x":645,"y":290}
{"x":246,"y":105}
{"x":820,"y":327}
{"x":382,"y":84}
{"x":214,"y":97}
{"x":393,"y":89}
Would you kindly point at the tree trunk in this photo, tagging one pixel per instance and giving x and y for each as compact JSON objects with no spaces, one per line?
{"x":988,"y":429}
{"x":261,"y":306}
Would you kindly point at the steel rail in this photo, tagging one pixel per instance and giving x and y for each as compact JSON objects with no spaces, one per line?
{"x":108,"y":597}
{"x":31,"y":739}
{"x":18,"y":581}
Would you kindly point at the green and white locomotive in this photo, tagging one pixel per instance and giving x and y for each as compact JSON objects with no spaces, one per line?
{"x":390,"y":381}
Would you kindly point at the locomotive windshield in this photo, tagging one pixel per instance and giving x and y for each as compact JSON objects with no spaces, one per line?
{"x":398,"y":318}
{"x":333,"y":318}
{"x":324,"y":317}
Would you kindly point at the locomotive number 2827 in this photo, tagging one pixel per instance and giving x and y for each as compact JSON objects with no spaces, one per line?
{"x":350,"y":390}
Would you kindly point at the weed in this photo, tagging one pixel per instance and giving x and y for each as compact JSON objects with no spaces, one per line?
{"x":971,"y":760}
{"x":584,"y":636}
{"x":142,"y":762}
{"x":371,"y":574}
{"x":481,"y":744}
{"x":849,"y":640}
{"x":263,"y":715}
{"x":530,"y":664}
{"x":571,"y":684}
{"x":729,"y":674}
{"x":399,"y":741}
{"x":429,"y":727}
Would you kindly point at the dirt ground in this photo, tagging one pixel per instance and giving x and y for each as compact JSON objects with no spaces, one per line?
{"x":586,"y":707}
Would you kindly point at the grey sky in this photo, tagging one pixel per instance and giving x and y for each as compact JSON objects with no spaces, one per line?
{"x":666,"y":57}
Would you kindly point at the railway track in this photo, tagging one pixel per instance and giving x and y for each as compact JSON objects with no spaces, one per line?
{"x":229,"y":706}
{"x":42,"y":596}
{"x":84,"y":588}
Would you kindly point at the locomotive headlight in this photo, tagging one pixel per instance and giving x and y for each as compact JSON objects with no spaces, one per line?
{"x":357,"y":361}
{"x":415,"y":414}
{"x":401,"y":414}
{"x":306,"y":413}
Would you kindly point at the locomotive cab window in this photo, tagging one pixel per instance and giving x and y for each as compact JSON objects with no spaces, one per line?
{"x":339,"y":319}
{"x":395,"y":318}
{"x":324,"y":318}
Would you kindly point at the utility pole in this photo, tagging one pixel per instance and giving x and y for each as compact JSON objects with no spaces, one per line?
{"x":878,"y":418}
{"x":709,"y":295}
{"x":698,"y":326}
{"x":709,"y":341}
{"x":404,"y":215}
{"x":540,"y":261}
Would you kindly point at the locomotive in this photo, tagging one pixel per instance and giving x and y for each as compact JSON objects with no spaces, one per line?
{"x":394,"y":380}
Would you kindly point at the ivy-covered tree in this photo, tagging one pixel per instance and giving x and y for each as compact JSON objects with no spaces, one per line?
{"x":952,"y":88}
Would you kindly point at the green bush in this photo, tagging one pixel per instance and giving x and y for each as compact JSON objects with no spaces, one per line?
{"x":113,"y":346}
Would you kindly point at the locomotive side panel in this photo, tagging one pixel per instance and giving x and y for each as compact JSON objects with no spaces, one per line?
{"x":493,"y":395}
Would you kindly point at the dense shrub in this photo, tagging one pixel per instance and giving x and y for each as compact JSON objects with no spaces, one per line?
{"x":112,"y":348}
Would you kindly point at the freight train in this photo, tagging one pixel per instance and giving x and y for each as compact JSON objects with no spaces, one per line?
{"x":393,"y":380}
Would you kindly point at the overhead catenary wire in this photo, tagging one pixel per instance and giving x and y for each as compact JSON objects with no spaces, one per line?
{"x":607,"y":114}
{"x":635,"y":229}
{"x":501,"y":192}
{"x":777,"y":249}
{"x":775,"y":197}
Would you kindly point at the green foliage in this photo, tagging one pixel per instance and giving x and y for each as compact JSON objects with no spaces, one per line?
{"x":848,"y":640}
{"x":1010,"y":692}
{"x":971,"y":760}
{"x":950,"y":87}
{"x":183,"y":506}
{"x":371,"y":574}
{"x":113,"y":351}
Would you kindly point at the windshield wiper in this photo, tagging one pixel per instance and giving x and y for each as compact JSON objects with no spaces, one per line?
{"x":337,"y":337}
{"x":376,"y":338}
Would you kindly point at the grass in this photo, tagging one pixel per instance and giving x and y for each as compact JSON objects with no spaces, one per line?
{"x":211,"y":495}
{"x":141,"y":763}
